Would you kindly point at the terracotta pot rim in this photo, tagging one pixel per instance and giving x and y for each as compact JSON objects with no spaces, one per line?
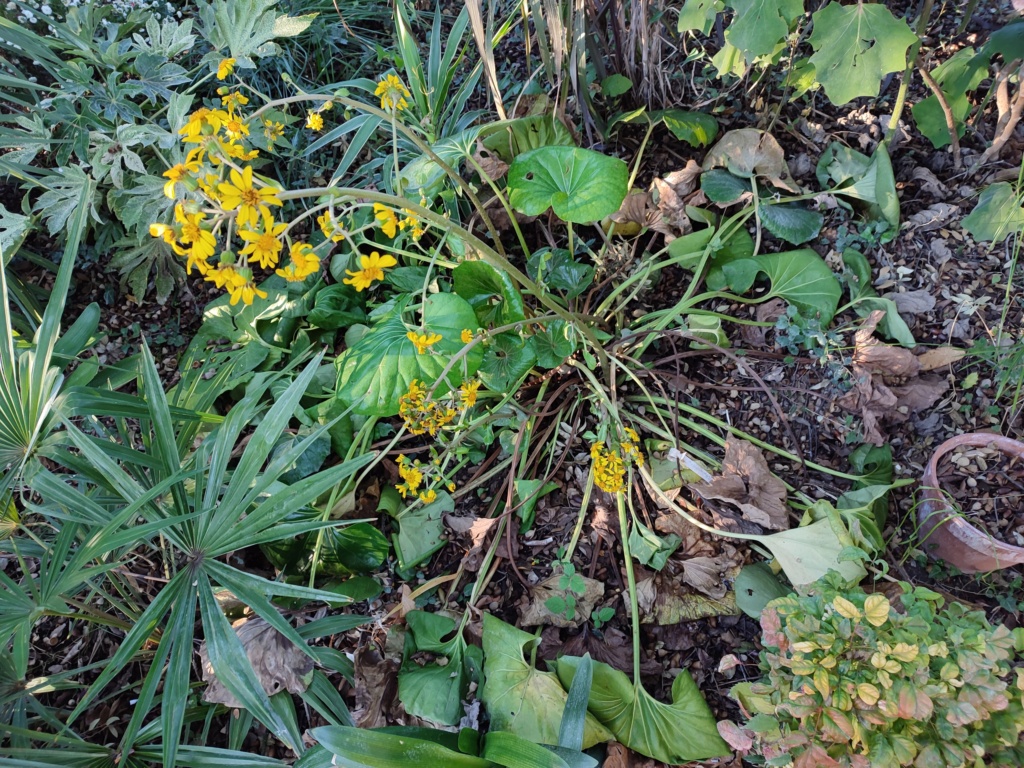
{"x":955,"y":540}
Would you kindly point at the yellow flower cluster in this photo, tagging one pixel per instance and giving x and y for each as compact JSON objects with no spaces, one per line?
{"x":390,"y":224}
{"x":610,"y":466}
{"x":416,"y":475}
{"x":216,"y":175}
{"x":423,"y":414}
{"x":423,"y":341}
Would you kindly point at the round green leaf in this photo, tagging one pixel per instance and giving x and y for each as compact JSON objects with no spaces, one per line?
{"x":791,"y":222}
{"x":579,"y":185}
{"x":756,"y":586}
{"x":506,"y":361}
{"x":355,"y":548}
{"x":722,"y":187}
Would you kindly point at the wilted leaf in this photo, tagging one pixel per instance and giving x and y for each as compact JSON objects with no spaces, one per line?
{"x":750,"y":152}
{"x":746,"y":481}
{"x":279,"y":664}
{"x":666,"y":602}
{"x":519,"y":698}
{"x":913,"y":302}
{"x":876,"y":358}
{"x":738,"y":738}
{"x":707,"y":574}
{"x":634,"y":214}
{"x":538,"y":613}
{"x":376,"y":688}
{"x":673,"y":733}
{"x":493,"y":167}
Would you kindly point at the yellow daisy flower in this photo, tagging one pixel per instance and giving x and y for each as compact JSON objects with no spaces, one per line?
{"x":386,"y":219}
{"x":423,"y":341}
{"x":468,"y":391}
{"x":304,"y":263}
{"x":330,"y":227}
{"x":314,"y":121}
{"x":249,"y":201}
{"x":371,"y":269}
{"x":178,"y":173}
{"x":225,"y":68}
{"x":264,"y":246}
{"x":392,"y":93}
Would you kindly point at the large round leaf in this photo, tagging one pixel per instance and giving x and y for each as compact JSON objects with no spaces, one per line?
{"x":579,"y":185}
{"x":377,"y":370}
{"x":356,"y":548}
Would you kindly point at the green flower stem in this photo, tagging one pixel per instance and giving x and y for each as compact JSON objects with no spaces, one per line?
{"x":738,"y":433}
{"x":411,"y":136}
{"x":584,"y":506}
{"x":504,"y":203}
{"x":631,"y":581}
{"x":489,"y":255}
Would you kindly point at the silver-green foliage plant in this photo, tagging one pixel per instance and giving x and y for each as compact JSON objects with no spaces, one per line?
{"x":853,"y":680}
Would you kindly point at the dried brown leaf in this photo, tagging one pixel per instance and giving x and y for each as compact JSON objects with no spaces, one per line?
{"x":707,"y":575}
{"x":746,"y":482}
{"x":748,"y":152}
{"x":933,"y":217}
{"x":738,"y":738}
{"x":665,"y":601}
{"x":940,"y":357}
{"x":537,"y":613}
{"x":882,"y":359}
{"x":494,"y":167}
{"x":635,"y":213}
{"x":376,"y":688}
{"x":280,"y":665}
{"x":613,"y":647}
{"x":912,"y":302}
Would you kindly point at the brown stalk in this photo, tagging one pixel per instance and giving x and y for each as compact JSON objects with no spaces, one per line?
{"x":947,"y":112}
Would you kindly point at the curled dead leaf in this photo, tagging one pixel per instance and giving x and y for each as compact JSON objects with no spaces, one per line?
{"x":751,"y":152}
{"x":665,"y":601}
{"x":939,"y":357}
{"x":280,"y":665}
{"x":746,"y":482}
{"x":493,"y":167}
{"x":538,"y":613}
{"x":633,"y":215}
{"x":881,"y":359}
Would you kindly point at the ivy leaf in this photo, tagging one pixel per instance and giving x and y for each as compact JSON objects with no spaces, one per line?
{"x":997,"y":214}
{"x":759,"y":25}
{"x":680,"y":732}
{"x":378,"y":369}
{"x":521,"y":699}
{"x":793,"y":223}
{"x":855,"y":46}
{"x":579,"y":185}
{"x":801,"y":277}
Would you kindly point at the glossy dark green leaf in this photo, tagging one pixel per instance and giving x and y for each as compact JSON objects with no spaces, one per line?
{"x":553,"y":344}
{"x":355,"y":548}
{"x":556,"y":269}
{"x":801,"y":277}
{"x":790,"y":221}
{"x":508,"y":358}
{"x":336,"y":306}
{"x":361,"y":748}
{"x":492,"y":294}
{"x":695,"y":128}
{"x":724,"y":188}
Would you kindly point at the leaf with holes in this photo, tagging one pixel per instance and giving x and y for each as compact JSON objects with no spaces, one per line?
{"x":579,"y":185}
{"x":855,"y":46}
{"x":801,"y":278}
{"x":793,"y":223}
